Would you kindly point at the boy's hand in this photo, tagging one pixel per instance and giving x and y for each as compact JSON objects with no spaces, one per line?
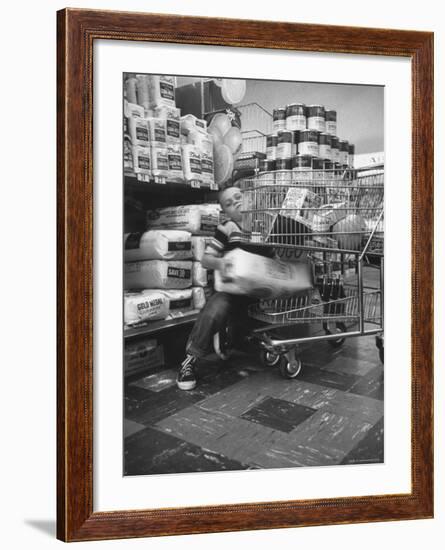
{"x":225,"y":269}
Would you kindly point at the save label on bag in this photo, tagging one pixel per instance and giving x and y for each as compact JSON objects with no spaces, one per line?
{"x":178,"y":273}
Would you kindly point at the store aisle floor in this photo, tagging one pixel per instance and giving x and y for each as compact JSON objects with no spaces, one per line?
{"x":242,"y":415}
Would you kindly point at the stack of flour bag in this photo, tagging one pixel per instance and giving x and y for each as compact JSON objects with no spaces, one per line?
{"x":159,"y":143}
{"x":164,"y":277}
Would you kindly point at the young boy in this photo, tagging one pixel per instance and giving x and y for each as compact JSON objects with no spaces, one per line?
{"x":221,"y":305}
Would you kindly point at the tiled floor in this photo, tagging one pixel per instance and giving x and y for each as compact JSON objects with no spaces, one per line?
{"x":242,"y":415}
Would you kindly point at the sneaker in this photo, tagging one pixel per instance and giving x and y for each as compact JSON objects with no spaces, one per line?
{"x":186,"y":379}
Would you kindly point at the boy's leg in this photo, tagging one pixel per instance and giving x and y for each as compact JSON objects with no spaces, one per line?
{"x":210,"y":320}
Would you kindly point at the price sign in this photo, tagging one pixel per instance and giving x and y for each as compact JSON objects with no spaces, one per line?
{"x":144,"y":178}
{"x":195,"y":184}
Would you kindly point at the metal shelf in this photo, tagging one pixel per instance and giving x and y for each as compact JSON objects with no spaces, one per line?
{"x":133,"y":183}
{"x":153,"y":327}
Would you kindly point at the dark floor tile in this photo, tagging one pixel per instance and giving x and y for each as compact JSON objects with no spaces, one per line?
{"x":155,"y":452}
{"x":370,"y":385}
{"x":213,"y":381}
{"x":370,"y":449}
{"x":323,"y":377}
{"x":160,"y":405}
{"x":278,"y":414}
{"x":135,"y":401}
{"x":149,"y":407}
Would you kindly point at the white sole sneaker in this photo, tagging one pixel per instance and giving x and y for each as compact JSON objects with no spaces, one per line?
{"x":186,"y":385}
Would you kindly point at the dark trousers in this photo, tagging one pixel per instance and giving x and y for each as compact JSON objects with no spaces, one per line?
{"x":220,"y":309}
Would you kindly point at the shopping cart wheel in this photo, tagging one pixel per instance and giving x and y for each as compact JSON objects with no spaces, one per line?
{"x":339,"y":327}
{"x":223,"y":343}
{"x":290,"y":369}
{"x":268,"y":358}
{"x":379,"y":342}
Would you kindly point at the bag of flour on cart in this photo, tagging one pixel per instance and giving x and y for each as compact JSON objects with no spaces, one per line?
{"x":260,"y":277}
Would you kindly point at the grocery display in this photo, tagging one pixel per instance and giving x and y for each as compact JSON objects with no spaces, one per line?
{"x":300,"y":191}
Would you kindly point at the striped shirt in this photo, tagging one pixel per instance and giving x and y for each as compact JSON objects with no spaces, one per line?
{"x":228,"y":236}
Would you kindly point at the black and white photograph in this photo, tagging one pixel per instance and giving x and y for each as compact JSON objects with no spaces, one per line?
{"x":253,"y":271}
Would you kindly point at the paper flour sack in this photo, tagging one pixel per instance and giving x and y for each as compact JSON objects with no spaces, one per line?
{"x":180,"y":302}
{"x":159,"y":162}
{"x":198,"y":247}
{"x":141,"y":160}
{"x":161,"y":91}
{"x":199,"y":297}
{"x":262,"y":277}
{"x":175,"y":171}
{"x":200,"y":275}
{"x":139,"y":131}
{"x":198,"y":219}
{"x":161,"y":244}
{"x":157,"y":131}
{"x":171,"y":116}
{"x":161,"y":274}
{"x":147,"y":305}
{"x":133,"y":110}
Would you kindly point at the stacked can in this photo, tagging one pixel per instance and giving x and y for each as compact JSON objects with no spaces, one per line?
{"x":279,"y":119}
{"x":283,"y":172}
{"x":301,"y":168}
{"x":308,"y":143}
{"x":271,"y":146}
{"x":331,"y":122}
{"x":284,"y":144}
{"x":266,"y":174}
{"x":316,"y":118}
{"x":324,"y":146}
{"x":344,"y":150}
{"x":295,"y":141}
{"x":351,"y":153}
{"x":296,"y":117}
{"x":335,"y":149}
{"x":328,"y":167}
{"x":317,"y":169}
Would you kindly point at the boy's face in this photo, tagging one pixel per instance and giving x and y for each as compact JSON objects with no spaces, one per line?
{"x":231,"y":201}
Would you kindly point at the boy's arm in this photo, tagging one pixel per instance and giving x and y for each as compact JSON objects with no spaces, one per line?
{"x":210,"y":261}
{"x":214,"y":251}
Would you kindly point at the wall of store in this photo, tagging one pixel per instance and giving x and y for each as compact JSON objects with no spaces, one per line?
{"x":28,"y":209}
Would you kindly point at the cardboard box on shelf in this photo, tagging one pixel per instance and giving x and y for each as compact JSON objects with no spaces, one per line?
{"x":144,"y":354}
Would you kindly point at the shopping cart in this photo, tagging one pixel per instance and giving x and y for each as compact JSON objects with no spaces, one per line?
{"x":336,"y":216}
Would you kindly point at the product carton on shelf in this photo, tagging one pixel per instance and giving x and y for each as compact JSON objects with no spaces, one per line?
{"x":139,"y":131}
{"x":175,"y":167}
{"x":161,"y":90}
{"x":133,"y":110}
{"x":191,"y":162}
{"x":171,"y":115}
{"x":142,"y":161}
{"x":159,"y":162}
{"x":157,"y":131}
{"x":144,"y":354}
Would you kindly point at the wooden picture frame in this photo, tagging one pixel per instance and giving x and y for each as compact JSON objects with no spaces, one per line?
{"x":77,"y":31}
